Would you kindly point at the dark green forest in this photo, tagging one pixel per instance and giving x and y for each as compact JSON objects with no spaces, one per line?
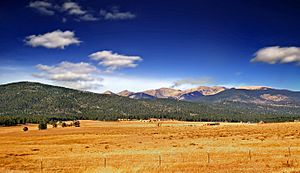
{"x":27,"y":102}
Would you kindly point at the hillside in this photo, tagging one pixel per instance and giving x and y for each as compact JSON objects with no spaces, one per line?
{"x":27,"y":98}
{"x":262,"y":96}
{"x":30,"y":101}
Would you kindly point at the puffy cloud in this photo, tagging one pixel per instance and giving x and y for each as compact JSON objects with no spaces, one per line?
{"x":199,"y":81}
{"x":43,"y":7}
{"x":78,"y":13}
{"x":73,"y":8}
{"x":81,"y":75}
{"x":276,"y":54}
{"x":55,"y":39}
{"x":114,"y":61}
{"x":115,"y":14}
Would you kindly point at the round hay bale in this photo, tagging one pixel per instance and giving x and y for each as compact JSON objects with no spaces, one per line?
{"x":25,"y":129}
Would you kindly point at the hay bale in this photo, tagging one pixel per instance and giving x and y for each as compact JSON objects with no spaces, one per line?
{"x":25,"y":129}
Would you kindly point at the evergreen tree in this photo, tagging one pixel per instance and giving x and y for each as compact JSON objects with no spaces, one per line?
{"x":42,"y":125}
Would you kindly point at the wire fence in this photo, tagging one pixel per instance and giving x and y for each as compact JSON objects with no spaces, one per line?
{"x":244,"y":160}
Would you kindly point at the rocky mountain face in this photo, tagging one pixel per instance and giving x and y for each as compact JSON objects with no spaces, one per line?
{"x":192,"y":93}
{"x":125,"y":93}
{"x":254,"y":87}
{"x":206,"y":90}
{"x":164,"y":93}
{"x":218,"y":94}
{"x":157,"y":93}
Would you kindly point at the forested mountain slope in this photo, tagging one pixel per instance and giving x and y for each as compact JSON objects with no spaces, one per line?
{"x":30,"y":101}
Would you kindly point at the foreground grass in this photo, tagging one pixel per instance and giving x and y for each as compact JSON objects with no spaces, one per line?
{"x":143,"y":147}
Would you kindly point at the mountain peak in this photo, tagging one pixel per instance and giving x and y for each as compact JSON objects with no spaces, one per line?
{"x":168,"y":89}
{"x":125,"y":93}
{"x":108,"y":92}
{"x":205,"y":90}
{"x":164,"y":92}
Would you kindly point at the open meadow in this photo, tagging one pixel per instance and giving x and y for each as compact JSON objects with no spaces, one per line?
{"x":175,"y":146}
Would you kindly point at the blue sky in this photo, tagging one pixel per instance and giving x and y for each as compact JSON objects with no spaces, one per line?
{"x":138,"y":45}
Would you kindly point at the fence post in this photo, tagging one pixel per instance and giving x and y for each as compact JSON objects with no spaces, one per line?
{"x":41,"y":164}
{"x":249,"y":154}
{"x":159,"y":160}
{"x":105,"y":162}
{"x":208,"y":157}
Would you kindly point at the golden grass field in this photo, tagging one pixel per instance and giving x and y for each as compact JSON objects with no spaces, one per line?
{"x":176,"y":146}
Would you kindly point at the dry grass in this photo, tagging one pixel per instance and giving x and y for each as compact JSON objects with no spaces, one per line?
{"x":138,"y":147}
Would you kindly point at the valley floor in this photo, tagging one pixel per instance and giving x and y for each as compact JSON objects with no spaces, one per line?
{"x":175,"y":146}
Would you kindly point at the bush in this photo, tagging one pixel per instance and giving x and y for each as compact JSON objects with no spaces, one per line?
{"x":77,"y":123}
{"x":64,"y":124}
{"x":42,"y":125}
{"x":53,"y":123}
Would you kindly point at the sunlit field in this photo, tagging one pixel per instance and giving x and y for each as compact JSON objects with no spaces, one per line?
{"x":173,"y":146}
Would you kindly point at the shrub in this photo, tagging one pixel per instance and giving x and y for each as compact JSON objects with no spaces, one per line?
{"x":63,"y":124}
{"x":77,"y":123}
{"x":42,"y":125}
{"x":53,"y":123}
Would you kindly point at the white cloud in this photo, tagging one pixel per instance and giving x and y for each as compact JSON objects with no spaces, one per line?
{"x":276,"y":54}
{"x":81,"y":75}
{"x":192,"y":82}
{"x":73,"y":8}
{"x":113,"y":61}
{"x":78,"y":13}
{"x":113,"y":82}
{"x":55,"y":39}
{"x":43,"y":7}
{"x":115,"y":14}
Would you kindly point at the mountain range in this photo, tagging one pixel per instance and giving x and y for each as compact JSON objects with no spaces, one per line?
{"x":217,"y":94}
{"x":35,"y":100}
{"x":174,"y":93}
